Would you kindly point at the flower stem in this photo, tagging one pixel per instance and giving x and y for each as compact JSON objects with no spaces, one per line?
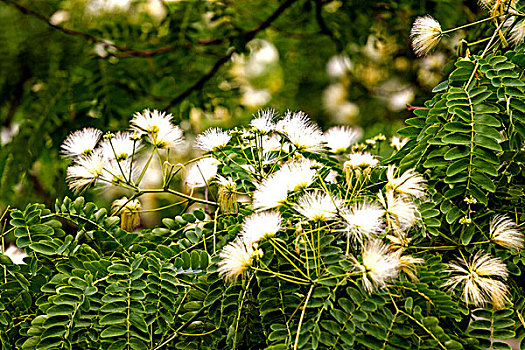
{"x":302,"y":317}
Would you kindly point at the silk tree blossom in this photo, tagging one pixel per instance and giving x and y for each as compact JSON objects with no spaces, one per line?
{"x":272,"y":192}
{"x":227,"y":194}
{"x":318,"y":206}
{"x":15,"y":254}
{"x":129,"y":212}
{"x":379,"y":265}
{"x":85,"y":171}
{"x":477,"y":277}
{"x":299,"y":174}
{"x":361,"y":160}
{"x":340,"y":138}
{"x":236,"y":259}
{"x":363,"y":220}
{"x":517,"y":33}
{"x":80,"y":142}
{"x":293,"y":176}
{"x":397,"y":142}
{"x":119,"y":146}
{"x":201,"y":173}
{"x":158,"y":127}
{"x":212,"y":139}
{"x":409,"y":265}
{"x":264,"y":122}
{"x":118,"y":171}
{"x":409,"y":183}
{"x":400,"y":212}
{"x":425,"y":34}
{"x":260,"y":226}
{"x":271,"y":143}
{"x":301,"y":132}
{"x":503,"y":231}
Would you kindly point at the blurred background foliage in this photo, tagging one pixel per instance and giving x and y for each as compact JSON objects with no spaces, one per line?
{"x":68,"y":64}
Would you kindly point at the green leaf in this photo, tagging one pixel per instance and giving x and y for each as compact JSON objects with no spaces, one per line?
{"x":119,"y":269}
{"x":486,"y":119}
{"x":456,"y":139}
{"x":483,"y":181}
{"x":43,"y":247}
{"x":113,"y":331}
{"x":457,"y":167}
{"x":487,"y":143}
{"x":456,"y":153}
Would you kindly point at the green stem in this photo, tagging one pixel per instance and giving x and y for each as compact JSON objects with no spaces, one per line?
{"x":240,"y":311}
{"x":302,"y":317}
{"x":287,"y":258}
{"x":467,"y":25}
{"x":177,"y":193}
{"x":146,"y":166}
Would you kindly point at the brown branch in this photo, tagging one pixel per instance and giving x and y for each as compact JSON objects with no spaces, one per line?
{"x":324,"y":27}
{"x":411,"y":108}
{"x":43,"y":18}
{"x":199,"y":83}
{"x":127,"y":52}
{"x":249,"y":35}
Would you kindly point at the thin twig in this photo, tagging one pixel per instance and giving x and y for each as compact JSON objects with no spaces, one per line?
{"x":324,"y":27}
{"x":249,"y":35}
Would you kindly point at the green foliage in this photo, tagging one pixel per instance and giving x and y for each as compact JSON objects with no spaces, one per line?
{"x":98,"y":68}
{"x":87,"y":288}
{"x":444,"y":280}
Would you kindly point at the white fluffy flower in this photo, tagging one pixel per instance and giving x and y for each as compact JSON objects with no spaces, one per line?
{"x":504,"y":232}
{"x":517,"y":33}
{"x":409,"y":183}
{"x":157,"y":125}
{"x":379,"y":266}
{"x":361,"y":160}
{"x":264,"y":122}
{"x":85,"y":171}
{"x":364,"y":220}
{"x":299,"y":174}
{"x":271,"y":143}
{"x":119,"y":146}
{"x":401,"y":213}
{"x":119,"y":171}
{"x":236,"y":258}
{"x":272,"y":192}
{"x":301,"y":131}
{"x":398,"y":142}
{"x":259,"y":226}
{"x":212,"y":139}
{"x":338,"y":66}
{"x":425,"y":34}
{"x":201,"y":173}
{"x":408,"y":264}
{"x":477,"y":278}
{"x":81,"y":142}
{"x":15,"y":254}
{"x":318,"y":206}
{"x":339,"y":138}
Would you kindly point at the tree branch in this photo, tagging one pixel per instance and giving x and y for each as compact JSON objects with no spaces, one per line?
{"x":43,"y":18}
{"x":127,"y":52}
{"x":324,"y":27}
{"x":249,"y":35}
{"x":199,"y":83}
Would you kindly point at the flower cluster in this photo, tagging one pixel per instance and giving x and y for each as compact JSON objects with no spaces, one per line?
{"x":292,"y":185}
{"x":291,"y":179}
{"x":112,"y":159}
